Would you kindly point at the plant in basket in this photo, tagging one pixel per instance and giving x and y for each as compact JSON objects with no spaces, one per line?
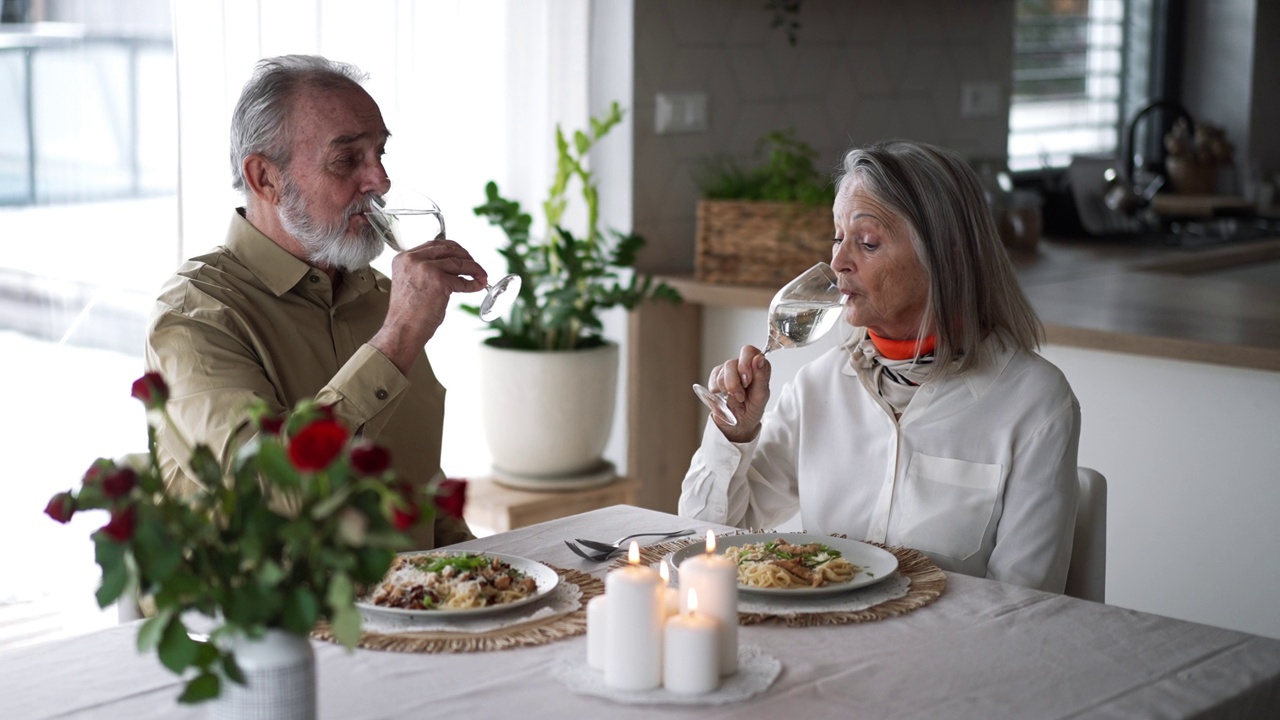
{"x":304,"y":518}
{"x":766,"y":222}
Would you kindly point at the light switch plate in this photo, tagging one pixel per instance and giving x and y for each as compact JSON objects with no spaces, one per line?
{"x":680,"y":113}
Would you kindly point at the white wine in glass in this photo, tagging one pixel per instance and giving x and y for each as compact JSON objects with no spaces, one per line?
{"x":392,"y":217}
{"x":800,"y":313}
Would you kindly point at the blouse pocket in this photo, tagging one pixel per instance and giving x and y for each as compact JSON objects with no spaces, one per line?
{"x":946,"y":505}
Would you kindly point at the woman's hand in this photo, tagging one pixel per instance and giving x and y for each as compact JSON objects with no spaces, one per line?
{"x":745,"y":379}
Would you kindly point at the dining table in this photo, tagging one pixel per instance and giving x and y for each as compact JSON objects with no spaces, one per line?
{"x":981,"y":649}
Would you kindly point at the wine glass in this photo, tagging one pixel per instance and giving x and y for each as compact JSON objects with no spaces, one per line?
{"x":804,"y":310}
{"x":397,"y":215}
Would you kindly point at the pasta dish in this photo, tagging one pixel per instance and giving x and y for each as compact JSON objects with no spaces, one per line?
{"x":779,"y":564}
{"x":451,"y":582}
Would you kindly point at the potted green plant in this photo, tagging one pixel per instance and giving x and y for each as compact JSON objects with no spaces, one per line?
{"x":763,"y":224}
{"x":308,"y":517}
{"x":547,"y":366}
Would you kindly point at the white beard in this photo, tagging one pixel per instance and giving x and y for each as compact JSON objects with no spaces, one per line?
{"x":328,"y":245}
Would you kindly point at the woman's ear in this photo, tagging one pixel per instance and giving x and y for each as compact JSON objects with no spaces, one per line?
{"x":263,"y":178}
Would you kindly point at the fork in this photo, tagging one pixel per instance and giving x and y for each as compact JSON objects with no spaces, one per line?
{"x":593,"y":557}
{"x":617,"y":544}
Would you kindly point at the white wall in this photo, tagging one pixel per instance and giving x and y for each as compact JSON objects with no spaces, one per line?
{"x":1191,"y":453}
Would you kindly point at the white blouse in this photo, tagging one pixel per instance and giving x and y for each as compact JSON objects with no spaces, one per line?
{"x":979,"y":473}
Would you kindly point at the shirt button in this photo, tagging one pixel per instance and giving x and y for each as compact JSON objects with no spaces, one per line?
{"x":315,"y":278}
{"x":929,"y":390}
{"x":381,"y":394}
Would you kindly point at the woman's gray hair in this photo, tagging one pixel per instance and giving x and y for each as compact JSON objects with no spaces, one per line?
{"x":260,"y":122}
{"x":973,"y":291}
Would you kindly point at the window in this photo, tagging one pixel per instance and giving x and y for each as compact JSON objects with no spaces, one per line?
{"x":1079,"y":67}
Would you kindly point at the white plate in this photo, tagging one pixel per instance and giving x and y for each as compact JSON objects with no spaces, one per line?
{"x":876,"y":564}
{"x":546,"y":578}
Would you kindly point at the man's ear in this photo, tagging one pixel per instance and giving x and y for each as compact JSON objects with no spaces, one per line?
{"x":263,"y":178}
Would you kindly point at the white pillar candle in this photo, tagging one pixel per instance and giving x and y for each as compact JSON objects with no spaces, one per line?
{"x":715,"y":577}
{"x":633,"y":622}
{"x":596,"y":621}
{"x":691,"y":652}
{"x":670,"y":596}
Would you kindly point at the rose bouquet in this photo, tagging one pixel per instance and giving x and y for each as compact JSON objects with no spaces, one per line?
{"x":303,"y":519}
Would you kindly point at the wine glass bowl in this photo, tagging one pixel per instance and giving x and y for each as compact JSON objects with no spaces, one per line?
{"x":800,"y":313}
{"x":399,"y":220}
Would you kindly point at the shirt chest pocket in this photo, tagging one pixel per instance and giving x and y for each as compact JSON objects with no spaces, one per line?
{"x":946,"y":505}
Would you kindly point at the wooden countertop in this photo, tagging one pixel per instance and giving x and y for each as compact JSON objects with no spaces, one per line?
{"x":1131,"y":296}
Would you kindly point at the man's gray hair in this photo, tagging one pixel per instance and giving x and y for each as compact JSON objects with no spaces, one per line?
{"x":973,"y":291}
{"x":260,"y":122}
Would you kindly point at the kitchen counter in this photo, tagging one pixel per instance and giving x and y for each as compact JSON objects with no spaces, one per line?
{"x":1134,"y":296}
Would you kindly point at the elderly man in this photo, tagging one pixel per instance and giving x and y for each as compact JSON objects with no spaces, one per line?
{"x":288,"y":308}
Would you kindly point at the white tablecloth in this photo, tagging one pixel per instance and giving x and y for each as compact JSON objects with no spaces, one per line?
{"x":983,"y":650}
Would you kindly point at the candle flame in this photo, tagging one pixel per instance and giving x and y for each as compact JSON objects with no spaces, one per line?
{"x":664,"y":573}
{"x":693,"y":600}
{"x":633,"y":553}
{"x":711,"y":541}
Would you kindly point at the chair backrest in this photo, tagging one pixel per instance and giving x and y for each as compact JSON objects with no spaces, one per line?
{"x":1087,"y":572}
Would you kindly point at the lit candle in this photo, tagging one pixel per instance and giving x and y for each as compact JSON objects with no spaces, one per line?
{"x":715,"y":578}
{"x":670,"y":596}
{"x":596,"y":620}
{"x":633,"y":626}
{"x":691,"y":652}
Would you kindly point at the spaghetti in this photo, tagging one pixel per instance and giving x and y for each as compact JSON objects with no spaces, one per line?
{"x":779,"y":564}
{"x":451,"y":582}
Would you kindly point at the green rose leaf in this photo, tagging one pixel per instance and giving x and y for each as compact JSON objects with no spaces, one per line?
{"x":153,"y":629}
{"x":111,"y":557}
{"x":346,"y":626}
{"x":177,"y":649}
{"x":301,"y":610}
{"x":204,"y":686}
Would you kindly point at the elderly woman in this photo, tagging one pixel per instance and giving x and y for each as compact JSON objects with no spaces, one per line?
{"x":935,"y":425}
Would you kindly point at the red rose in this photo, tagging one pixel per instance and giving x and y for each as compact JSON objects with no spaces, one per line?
{"x":120,"y":527}
{"x":451,"y":497}
{"x":151,"y":390}
{"x":369,"y":458}
{"x":119,"y":482}
{"x":96,"y":472}
{"x":317,"y":445}
{"x":271,"y":424}
{"x":61,"y":507}
{"x":405,"y":517}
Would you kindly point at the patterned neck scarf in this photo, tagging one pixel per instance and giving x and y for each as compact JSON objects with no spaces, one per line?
{"x":894,"y":369}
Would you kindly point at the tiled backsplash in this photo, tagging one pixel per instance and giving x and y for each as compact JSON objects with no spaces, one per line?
{"x":861,"y":71}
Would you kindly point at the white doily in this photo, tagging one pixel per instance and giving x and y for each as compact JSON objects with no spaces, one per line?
{"x":891,"y":588}
{"x":564,"y":599}
{"x":756,"y":672}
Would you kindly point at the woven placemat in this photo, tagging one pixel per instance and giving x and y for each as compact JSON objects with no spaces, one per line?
{"x":534,"y":632}
{"x":927,"y":584}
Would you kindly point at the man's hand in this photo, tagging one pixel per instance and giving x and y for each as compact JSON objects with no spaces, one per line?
{"x":422,"y":279}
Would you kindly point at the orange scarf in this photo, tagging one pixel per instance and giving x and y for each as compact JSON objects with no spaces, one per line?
{"x":902,"y":349}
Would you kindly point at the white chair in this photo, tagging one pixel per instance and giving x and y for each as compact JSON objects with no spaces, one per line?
{"x":1087,"y":572}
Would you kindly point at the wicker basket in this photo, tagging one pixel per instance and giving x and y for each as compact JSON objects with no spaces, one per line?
{"x":759,"y":243}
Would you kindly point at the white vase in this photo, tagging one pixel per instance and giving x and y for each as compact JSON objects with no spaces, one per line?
{"x":548,"y":414}
{"x":280,"y":680}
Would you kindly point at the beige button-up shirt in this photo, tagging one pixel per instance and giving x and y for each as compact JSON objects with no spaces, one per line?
{"x":248,"y":320}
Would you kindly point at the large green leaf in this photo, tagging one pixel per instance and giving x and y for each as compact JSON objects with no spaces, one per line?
{"x":301,"y":610}
{"x":154,"y":628}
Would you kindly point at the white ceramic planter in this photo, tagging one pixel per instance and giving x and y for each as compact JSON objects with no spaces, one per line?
{"x":548,"y":414}
{"x":280,"y":676}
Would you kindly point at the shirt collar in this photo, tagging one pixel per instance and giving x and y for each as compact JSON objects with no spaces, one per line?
{"x":274,"y":267}
{"x":998,"y":351}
